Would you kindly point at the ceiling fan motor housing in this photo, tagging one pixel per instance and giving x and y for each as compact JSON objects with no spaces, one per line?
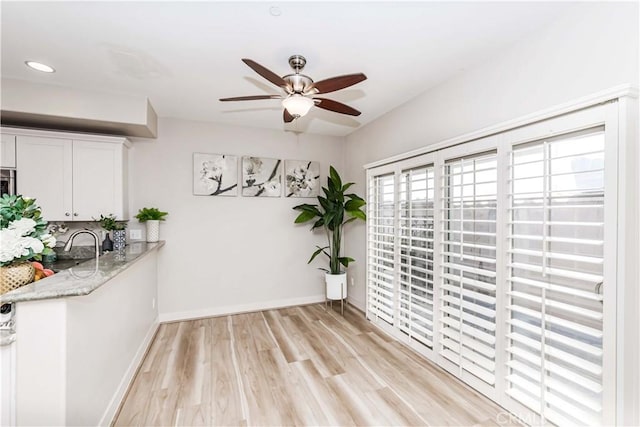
{"x":298,"y":82}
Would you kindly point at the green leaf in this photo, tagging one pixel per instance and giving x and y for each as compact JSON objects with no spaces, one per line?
{"x":304,"y":217}
{"x":306,"y":207}
{"x":346,"y":260}
{"x":318,"y":252}
{"x":331,"y":185}
{"x":354,"y":204}
{"x":346,"y":186}
{"x":335,"y":177}
{"x":358,"y":214}
{"x":325,"y":203}
{"x":328,"y":219}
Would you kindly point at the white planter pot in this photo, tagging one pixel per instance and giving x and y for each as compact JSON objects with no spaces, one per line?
{"x":153,"y":230}
{"x":336,"y":286}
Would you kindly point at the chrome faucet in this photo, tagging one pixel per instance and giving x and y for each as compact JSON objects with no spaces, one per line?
{"x":69,"y":244}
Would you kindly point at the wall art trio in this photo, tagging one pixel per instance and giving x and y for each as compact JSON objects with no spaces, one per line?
{"x":218,"y":175}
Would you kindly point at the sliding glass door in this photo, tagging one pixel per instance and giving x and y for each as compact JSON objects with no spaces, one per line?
{"x":555,"y":277}
{"x":416,"y":237}
{"x":497,"y":260}
{"x":468,"y":287}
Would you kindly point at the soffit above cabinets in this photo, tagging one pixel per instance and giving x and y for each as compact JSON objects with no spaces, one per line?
{"x":76,"y":124}
{"x":42,"y":106}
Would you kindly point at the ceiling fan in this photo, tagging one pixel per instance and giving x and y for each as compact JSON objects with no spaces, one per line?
{"x":300,"y":90}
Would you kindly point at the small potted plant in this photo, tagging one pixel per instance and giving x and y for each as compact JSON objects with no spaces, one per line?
{"x":117,"y":228}
{"x":334,"y":210}
{"x":151,"y":217}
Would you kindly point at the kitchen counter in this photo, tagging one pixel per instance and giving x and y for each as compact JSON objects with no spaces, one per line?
{"x":84,"y":278}
{"x":80,"y":336}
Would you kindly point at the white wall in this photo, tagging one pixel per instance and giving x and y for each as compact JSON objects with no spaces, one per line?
{"x":226,"y":254}
{"x":572,"y":58}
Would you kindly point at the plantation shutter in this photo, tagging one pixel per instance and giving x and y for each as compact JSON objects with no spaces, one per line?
{"x":416,"y":241}
{"x":468,"y":289}
{"x":381,"y":247}
{"x":555,"y":275}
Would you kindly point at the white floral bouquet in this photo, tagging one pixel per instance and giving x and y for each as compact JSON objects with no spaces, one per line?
{"x":23,"y":232}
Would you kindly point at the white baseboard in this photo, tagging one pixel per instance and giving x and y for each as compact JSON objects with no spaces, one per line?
{"x":236,"y":309}
{"x":114,"y":404}
{"x":357,"y":304}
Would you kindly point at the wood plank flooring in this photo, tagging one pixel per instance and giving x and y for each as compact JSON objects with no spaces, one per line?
{"x":301,"y":366}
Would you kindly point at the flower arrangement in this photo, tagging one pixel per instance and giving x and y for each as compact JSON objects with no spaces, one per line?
{"x":23,"y":232}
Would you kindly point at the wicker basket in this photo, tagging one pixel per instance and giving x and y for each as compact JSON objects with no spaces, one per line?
{"x":14,"y":276}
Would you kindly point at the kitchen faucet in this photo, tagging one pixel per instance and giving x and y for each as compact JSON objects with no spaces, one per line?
{"x":96,"y":239}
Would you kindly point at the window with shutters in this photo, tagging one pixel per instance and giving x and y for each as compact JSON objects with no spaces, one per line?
{"x":416,"y":228}
{"x":556,"y":225}
{"x":468,"y":289}
{"x":381,"y":242}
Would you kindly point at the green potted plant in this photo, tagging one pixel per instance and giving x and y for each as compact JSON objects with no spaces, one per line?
{"x":151,"y":217}
{"x":335,"y":209}
{"x":117,"y":229}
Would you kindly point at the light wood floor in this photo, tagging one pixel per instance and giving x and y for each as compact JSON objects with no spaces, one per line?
{"x":294,"y":366}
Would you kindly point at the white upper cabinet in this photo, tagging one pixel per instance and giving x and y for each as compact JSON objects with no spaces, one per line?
{"x":45,"y":174}
{"x":8,"y":151}
{"x":98,"y":186}
{"x":73,"y":179}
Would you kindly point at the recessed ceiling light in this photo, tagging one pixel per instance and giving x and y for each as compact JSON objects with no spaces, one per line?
{"x":40,"y":66}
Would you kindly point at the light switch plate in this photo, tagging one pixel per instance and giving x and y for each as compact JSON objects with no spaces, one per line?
{"x":135,"y":234}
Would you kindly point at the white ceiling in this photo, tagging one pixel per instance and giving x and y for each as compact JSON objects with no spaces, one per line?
{"x":185,"y":55}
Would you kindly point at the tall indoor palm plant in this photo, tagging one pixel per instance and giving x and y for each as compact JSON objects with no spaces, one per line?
{"x":335,"y":209}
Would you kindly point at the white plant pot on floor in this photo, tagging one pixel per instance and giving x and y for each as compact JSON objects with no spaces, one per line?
{"x":153,"y":230}
{"x":336,"y":286}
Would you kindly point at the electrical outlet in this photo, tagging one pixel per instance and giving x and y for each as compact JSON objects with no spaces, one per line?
{"x":352,"y":282}
{"x":135,"y":234}
{"x":153,"y":303}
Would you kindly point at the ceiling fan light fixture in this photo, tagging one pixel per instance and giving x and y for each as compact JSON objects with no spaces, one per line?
{"x":297,"y":105}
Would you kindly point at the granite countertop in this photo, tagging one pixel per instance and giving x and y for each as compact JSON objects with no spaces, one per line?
{"x":83,"y":278}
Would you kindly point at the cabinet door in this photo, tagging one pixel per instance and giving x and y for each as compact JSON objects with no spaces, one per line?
{"x":97,"y":180}
{"x":8,"y":151}
{"x":44,"y":172}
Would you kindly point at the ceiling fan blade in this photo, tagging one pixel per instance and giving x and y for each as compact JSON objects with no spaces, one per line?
{"x":337,"y":83}
{"x":267,"y":74}
{"x":251,"y":98}
{"x":338,"y":107}
{"x":288,"y":118}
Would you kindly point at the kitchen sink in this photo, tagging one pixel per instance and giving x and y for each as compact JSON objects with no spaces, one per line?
{"x":63,"y":264}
